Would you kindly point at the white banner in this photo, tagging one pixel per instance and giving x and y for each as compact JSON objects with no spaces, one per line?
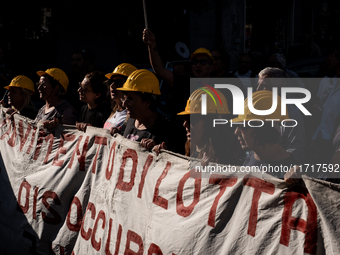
{"x":70,"y":192}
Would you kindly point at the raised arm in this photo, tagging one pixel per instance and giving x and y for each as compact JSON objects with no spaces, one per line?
{"x":155,"y":59}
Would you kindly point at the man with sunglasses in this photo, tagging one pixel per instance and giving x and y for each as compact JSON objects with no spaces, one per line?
{"x":202,"y":63}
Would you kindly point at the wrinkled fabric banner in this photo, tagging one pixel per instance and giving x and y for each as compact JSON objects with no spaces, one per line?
{"x":69,"y":192}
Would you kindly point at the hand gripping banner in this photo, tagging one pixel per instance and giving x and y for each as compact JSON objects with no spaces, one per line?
{"x":69,"y":192}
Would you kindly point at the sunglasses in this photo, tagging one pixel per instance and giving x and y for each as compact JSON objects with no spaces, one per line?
{"x":117,"y":82}
{"x":202,"y":62}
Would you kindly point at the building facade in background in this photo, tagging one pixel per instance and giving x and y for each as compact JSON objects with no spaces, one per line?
{"x":40,"y":35}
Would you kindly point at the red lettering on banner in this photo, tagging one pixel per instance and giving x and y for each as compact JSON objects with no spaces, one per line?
{"x":32,"y":140}
{"x":309,"y":227}
{"x":133,"y":237}
{"x":224,"y":183}
{"x":144,"y":172}
{"x":35,"y":198}
{"x":121,"y":184}
{"x":259,"y":187}
{"x":4,"y":122}
{"x":61,"y":149}
{"x":38,"y":147}
{"x":49,"y":149}
{"x":27,"y":186}
{"x":11,"y":141}
{"x":52,"y":195}
{"x":158,"y":200}
{"x":101,"y":141}
{"x":119,"y":237}
{"x":39,"y":143}
{"x":95,"y":244}
{"x":108,"y":173}
{"x":87,"y":234}
{"x":8,"y":121}
{"x":23,"y":138}
{"x":154,"y":249}
{"x":75,"y":227}
{"x":80,"y":156}
{"x":182,"y":210}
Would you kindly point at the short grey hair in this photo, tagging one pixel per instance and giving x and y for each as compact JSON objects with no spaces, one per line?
{"x":275,"y":76}
{"x":272,"y":72}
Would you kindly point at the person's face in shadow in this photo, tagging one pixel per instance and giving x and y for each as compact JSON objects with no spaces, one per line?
{"x":201,"y":65}
{"x":77,"y":63}
{"x":135,"y":105}
{"x":45,"y":88}
{"x":246,"y":137}
{"x":116,"y":81}
{"x":86,"y":93}
{"x":16,"y":97}
{"x":194,"y":126}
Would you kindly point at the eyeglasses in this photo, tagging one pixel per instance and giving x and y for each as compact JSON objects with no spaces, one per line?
{"x":202,"y":62}
{"x":118,"y":83}
{"x":85,"y":90}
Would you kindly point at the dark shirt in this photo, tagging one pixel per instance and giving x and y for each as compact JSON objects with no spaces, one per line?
{"x":96,"y":117}
{"x":64,"y":112}
{"x":157,"y":132}
{"x":287,"y":163}
{"x":29,"y":111}
{"x":175,"y":97}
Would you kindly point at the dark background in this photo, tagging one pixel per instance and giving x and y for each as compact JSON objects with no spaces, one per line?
{"x":39,"y":35}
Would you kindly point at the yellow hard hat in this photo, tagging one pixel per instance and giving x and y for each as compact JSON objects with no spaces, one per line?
{"x":58,"y":74}
{"x":202,"y":51}
{"x":22,"y":81}
{"x":142,"y":80}
{"x":124,"y":69}
{"x":262,"y":100}
{"x":216,"y":102}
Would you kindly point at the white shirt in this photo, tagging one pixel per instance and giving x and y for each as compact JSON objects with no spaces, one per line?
{"x":116,"y":120}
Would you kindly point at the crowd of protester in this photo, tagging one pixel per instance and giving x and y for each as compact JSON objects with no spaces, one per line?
{"x":127,"y":101}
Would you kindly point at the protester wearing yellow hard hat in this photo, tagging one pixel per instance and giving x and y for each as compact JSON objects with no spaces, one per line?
{"x":116,"y":80}
{"x":19,"y":96}
{"x":145,"y":125}
{"x":52,"y":85}
{"x":206,"y":142}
